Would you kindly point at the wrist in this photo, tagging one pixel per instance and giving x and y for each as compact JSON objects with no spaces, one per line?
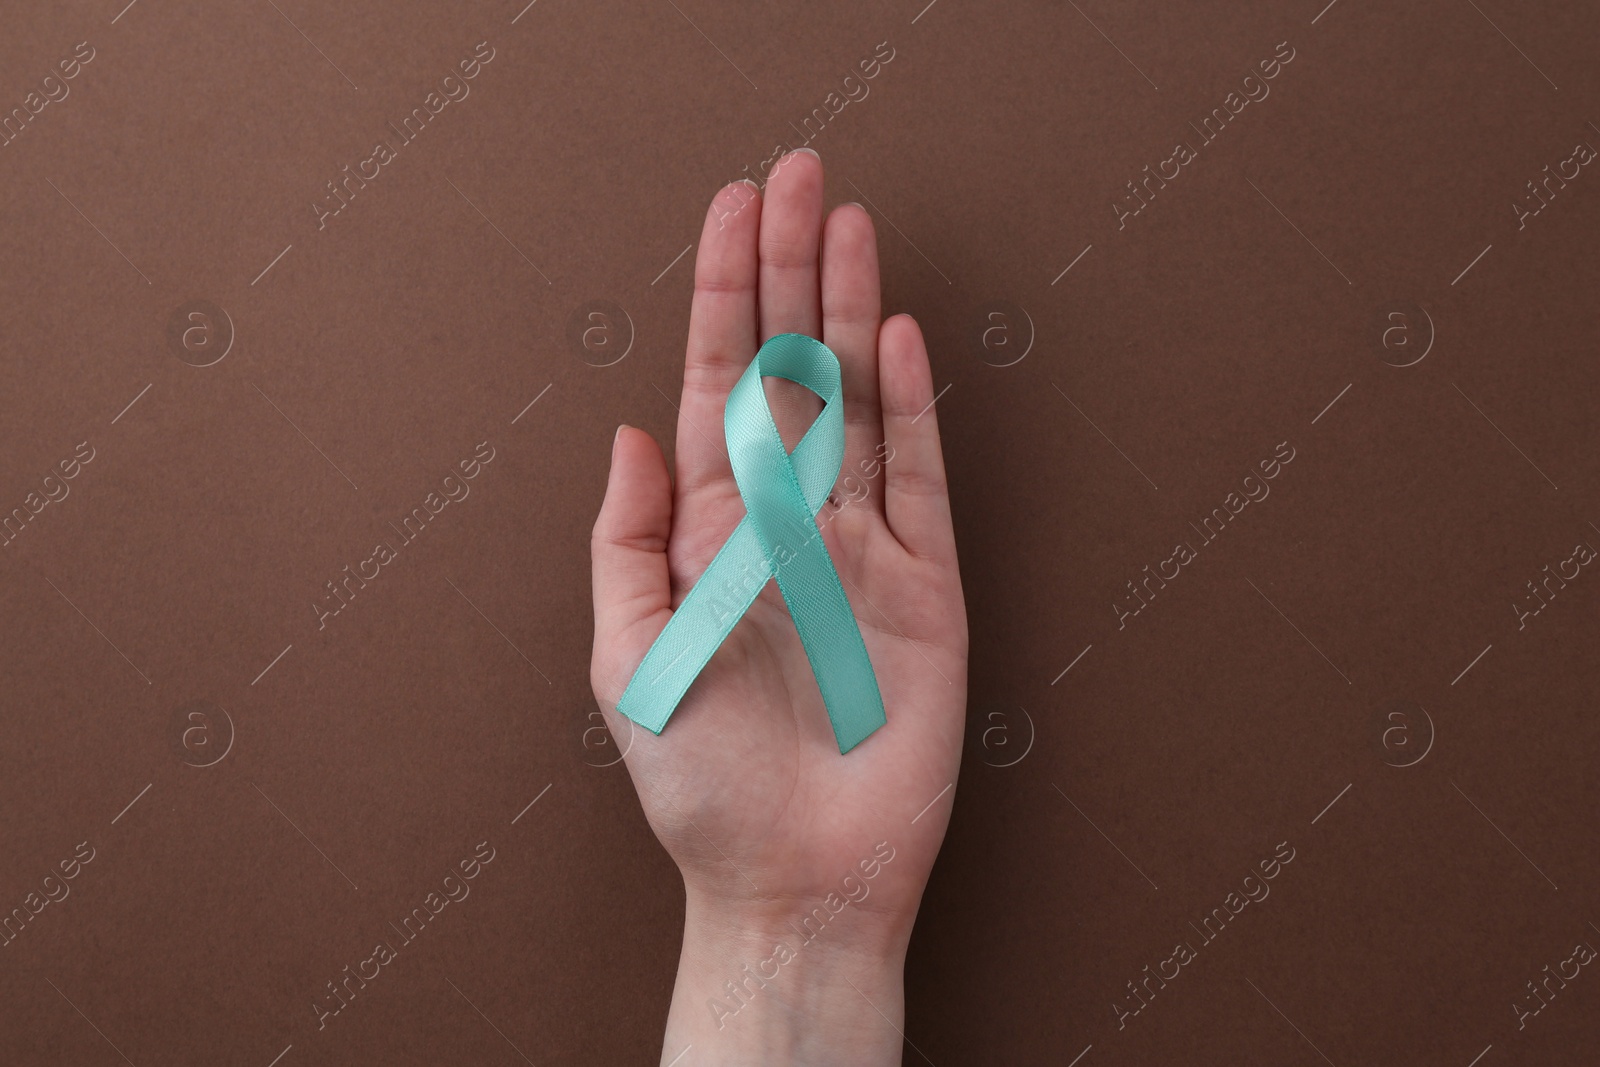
{"x":756,"y":979}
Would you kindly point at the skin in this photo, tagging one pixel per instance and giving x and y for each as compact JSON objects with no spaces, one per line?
{"x":745,"y":787}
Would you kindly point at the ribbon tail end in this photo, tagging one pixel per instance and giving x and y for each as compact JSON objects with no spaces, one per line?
{"x":654,"y":723}
{"x":852,"y":734}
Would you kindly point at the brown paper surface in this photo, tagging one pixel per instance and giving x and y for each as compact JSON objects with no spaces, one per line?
{"x":1371,"y":272}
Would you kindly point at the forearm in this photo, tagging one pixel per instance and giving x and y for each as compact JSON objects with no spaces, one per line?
{"x":774,"y":988}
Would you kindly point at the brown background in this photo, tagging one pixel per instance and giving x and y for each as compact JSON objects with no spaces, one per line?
{"x":1143,"y":784}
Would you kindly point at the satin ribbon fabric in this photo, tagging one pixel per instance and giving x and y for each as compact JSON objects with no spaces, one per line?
{"x":777,"y":538}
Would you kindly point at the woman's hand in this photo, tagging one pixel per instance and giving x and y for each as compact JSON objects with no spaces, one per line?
{"x":796,"y":922}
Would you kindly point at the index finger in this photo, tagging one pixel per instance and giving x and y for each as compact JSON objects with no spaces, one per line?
{"x":722,"y":333}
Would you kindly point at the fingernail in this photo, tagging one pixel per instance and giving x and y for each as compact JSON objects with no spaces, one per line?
{"x":813,"y":151}
{"x":617,"y":437}
{"x":856,"y":203}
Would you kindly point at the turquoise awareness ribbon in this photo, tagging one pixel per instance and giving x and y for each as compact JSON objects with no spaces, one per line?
{"x":777,"y":538}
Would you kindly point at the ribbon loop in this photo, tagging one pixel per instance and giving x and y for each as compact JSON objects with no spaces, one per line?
{"x":778,"y":538}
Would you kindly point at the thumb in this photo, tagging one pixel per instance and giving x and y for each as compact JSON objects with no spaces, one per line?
{"x":628,"y":549}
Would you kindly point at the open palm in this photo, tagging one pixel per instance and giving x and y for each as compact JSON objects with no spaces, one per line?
{"x":745,"y":786}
